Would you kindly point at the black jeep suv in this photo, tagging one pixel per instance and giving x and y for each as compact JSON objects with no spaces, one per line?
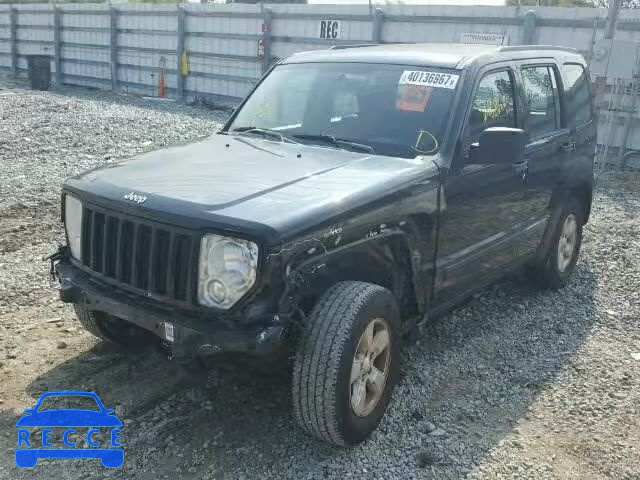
{"x":356,"y":193}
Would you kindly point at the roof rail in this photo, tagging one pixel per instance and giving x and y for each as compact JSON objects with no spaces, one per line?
{"x":516,"y":48}
{"x":355,"y":45}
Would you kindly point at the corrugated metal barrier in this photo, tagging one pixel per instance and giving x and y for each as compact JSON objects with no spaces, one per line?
{"x":218,"y":52}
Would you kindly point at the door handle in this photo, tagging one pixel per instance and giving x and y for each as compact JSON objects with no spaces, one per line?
{"x":568,"y":147}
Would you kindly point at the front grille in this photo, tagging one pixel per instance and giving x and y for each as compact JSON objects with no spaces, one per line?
{"x":137,"y":254}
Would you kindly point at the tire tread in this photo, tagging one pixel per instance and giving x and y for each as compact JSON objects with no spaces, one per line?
{"x":318,"y":359}
{"x":90,"y":320}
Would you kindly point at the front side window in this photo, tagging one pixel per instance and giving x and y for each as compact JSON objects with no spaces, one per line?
{"x":538,"y":86}
{"x":578,"y":97}
{"x":493,"y":104}
{"x":395,"y":110}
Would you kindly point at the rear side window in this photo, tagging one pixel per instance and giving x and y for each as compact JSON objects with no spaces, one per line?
{"x":576,"y":91}
{"x":493,"y":104}
{"x":538,"y":83}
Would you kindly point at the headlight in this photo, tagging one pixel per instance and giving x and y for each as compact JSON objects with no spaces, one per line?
{"x":227,"y":270}
{"x":73,"y":224}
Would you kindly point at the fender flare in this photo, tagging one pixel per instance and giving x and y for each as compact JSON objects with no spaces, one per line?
{"x":296,"y":285}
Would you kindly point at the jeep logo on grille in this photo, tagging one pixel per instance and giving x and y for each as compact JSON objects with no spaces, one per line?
{"x":134,"y":197}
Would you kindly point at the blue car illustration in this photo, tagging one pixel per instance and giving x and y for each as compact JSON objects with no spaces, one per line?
{"x":69,"y":418}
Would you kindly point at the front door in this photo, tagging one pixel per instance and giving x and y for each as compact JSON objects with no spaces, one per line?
{"x":483,"y":203}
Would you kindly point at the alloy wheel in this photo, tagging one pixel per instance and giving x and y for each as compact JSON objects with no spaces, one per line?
{"x":370,"y":367}
{"x":567,"y":242}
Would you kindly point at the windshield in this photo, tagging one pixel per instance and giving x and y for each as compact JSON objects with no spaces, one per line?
{"x":392,"y":110}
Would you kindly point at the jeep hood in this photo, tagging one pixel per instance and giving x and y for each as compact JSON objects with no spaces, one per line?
{"x":236,"y":182}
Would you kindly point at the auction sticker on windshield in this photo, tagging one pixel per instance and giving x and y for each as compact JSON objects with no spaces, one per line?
{"x":413,"y":98}
{"x":429,"y":79}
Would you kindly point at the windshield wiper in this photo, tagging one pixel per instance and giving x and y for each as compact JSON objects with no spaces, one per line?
{"x":338,"y":142}
{"x":262,"y":131}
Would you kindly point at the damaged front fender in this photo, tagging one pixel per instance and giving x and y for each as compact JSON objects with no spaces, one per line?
{"x":391,"y":245}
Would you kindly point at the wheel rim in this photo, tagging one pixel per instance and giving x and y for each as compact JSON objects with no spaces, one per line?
{"x":370,"y":367}
{"x":567,"y":242}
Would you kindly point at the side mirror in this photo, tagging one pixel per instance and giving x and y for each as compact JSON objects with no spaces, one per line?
{"x":500,"y":145}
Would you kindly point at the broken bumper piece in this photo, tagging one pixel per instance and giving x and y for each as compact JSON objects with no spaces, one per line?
{"x":188,"y":336}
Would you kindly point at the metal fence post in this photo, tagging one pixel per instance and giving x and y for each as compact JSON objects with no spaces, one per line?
{"x":529,"y":28}
{"x":592,"y":43}
{"x":267,"y":17}
{"x":378,"y":20}
{"x":13,"y":34}
{"x":114,"y":48}
{"x":57,"y":44}
{"x":612,"y":18}
{"x":179,"y":52}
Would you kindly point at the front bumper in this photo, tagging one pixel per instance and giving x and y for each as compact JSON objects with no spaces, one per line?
{"x":188,"y":335}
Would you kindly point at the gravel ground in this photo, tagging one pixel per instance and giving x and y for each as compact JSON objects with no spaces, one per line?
{"x":517,"y":383}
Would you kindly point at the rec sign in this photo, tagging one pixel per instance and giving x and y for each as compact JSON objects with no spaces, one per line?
{"x":330,"y":29}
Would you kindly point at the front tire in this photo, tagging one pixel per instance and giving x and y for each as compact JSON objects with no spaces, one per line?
{"x":109,"y":328}
{"x":347,"y":363}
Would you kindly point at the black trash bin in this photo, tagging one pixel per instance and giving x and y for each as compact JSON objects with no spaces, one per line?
{"x":39,"y":71}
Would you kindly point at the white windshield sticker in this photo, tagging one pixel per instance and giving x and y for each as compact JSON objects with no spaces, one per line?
{"x":429,"y":79}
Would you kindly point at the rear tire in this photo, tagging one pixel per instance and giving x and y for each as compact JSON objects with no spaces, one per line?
{"x":345,"y":338}
{"x":564,"y":249}
{"x":109,"y":328}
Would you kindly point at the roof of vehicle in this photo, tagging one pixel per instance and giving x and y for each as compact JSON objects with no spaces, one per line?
{"x":444,"y":55}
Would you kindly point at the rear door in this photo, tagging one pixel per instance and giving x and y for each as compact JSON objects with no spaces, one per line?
{"x":550,"y":145}
{"x":578,"y":109}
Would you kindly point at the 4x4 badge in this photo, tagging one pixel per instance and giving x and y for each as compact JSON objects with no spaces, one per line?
{"x":134,"y":197}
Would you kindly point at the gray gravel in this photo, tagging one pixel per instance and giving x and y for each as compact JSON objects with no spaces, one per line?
{"x":48,"y":137}
{"x":57,"y":136}
{"x":517,"y":383}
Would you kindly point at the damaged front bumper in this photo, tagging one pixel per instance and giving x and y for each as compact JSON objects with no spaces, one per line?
{"x":187,"y":335}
